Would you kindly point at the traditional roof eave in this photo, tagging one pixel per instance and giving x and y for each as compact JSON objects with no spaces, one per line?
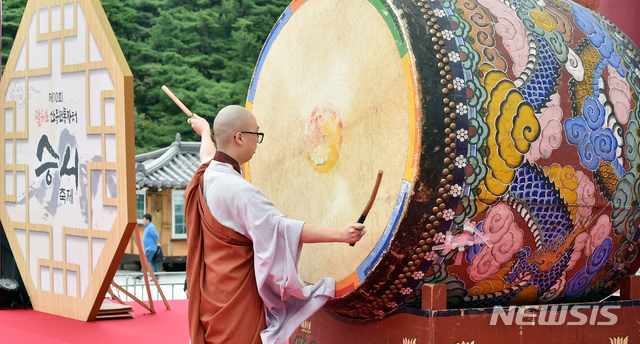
{"x":171,"y":166}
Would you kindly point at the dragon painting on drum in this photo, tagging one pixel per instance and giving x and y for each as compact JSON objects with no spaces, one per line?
{"x":508,"y":131}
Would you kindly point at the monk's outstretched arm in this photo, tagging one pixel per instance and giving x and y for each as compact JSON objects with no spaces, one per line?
{"x":351,"y":233}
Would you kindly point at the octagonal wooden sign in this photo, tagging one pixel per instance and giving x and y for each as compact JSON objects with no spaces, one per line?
{"x":67,"y":178}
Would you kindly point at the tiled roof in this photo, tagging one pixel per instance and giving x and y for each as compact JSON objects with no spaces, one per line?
{"x":171,"y":166}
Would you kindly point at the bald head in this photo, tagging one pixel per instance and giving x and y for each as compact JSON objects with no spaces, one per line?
{"x":230,"y":128}
{"x":229,"y":121}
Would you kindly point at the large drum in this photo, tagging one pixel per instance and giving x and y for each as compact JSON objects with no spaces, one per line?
{"x":508,"y":136}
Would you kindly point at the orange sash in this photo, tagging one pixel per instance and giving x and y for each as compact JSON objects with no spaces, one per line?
{"x":224,"y":304}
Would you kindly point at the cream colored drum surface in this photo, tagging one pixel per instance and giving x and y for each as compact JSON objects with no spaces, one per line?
{"x":332,"y":101}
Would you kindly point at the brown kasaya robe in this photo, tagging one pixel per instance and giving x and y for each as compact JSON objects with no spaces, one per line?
{"x":224,"y":304}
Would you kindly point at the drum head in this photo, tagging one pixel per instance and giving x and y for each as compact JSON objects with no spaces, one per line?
{"x":331,"y":97}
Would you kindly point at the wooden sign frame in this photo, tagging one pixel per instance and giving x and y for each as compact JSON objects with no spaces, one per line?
{"x":67,"y":177}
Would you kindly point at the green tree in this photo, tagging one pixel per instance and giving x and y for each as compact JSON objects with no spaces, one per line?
{"x":11,"y":15}
{"x":203,"y":50}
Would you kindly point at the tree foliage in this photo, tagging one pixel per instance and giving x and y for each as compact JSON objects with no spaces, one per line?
{"x":203,"y":50}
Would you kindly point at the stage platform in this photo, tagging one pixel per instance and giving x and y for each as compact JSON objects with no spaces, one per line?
{"x":607,"y":322}
{"x":26,"y":326}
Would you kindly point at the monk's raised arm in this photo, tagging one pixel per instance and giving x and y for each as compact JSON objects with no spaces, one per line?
{"x":207,"y":143}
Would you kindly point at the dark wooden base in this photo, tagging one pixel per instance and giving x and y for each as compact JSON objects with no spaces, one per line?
{"x":614,"y":321}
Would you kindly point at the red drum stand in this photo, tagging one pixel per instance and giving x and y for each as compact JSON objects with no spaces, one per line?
{"x":613,"y":321}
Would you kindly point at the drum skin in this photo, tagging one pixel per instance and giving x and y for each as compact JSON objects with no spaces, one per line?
{"x":509,"y":130}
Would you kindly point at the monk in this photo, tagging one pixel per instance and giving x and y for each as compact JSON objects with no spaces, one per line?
{"x":242,"y":255}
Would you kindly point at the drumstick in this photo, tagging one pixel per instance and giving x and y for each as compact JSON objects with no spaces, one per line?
{"x":176,"y":100}
{"x":371,"y":199}
{"x":180,"y":105}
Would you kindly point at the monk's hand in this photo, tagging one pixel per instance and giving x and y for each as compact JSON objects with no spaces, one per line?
{"x":353,"y":232}
{"x":199,"y":124}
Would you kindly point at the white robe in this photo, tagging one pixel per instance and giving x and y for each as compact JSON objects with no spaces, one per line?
{"x":237,"y":204}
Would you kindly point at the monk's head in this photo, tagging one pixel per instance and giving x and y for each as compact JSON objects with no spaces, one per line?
{"x":235,"y":129}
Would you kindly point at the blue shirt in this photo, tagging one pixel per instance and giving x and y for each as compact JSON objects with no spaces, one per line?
{"x":150,"y":237}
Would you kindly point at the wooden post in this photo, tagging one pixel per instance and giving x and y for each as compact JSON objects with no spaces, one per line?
{"x":146,"y":266}
{"x":434,"y":296}
{"x":630,"y":288}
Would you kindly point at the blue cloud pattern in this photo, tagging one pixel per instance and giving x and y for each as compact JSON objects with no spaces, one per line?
{"x":599,"y":37}
{"x":594,"y":142}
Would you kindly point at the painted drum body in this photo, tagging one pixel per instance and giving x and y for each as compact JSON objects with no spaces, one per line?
{"x":507,"y":131}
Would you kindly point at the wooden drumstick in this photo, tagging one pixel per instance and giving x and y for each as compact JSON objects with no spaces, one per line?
{"x":176,"y":100}
{"x":371,"y":199}
{"x":182,"y":106}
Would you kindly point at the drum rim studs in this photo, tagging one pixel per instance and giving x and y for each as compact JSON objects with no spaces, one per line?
{"x":434,"y":220}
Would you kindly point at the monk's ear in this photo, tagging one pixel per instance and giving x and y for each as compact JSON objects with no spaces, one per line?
{"x":238,"y":138}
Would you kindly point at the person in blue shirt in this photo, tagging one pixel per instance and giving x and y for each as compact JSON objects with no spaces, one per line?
{"x":150,"y":242}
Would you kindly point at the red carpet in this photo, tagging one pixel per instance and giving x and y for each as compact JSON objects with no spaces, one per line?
{"x":26,"y":326}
